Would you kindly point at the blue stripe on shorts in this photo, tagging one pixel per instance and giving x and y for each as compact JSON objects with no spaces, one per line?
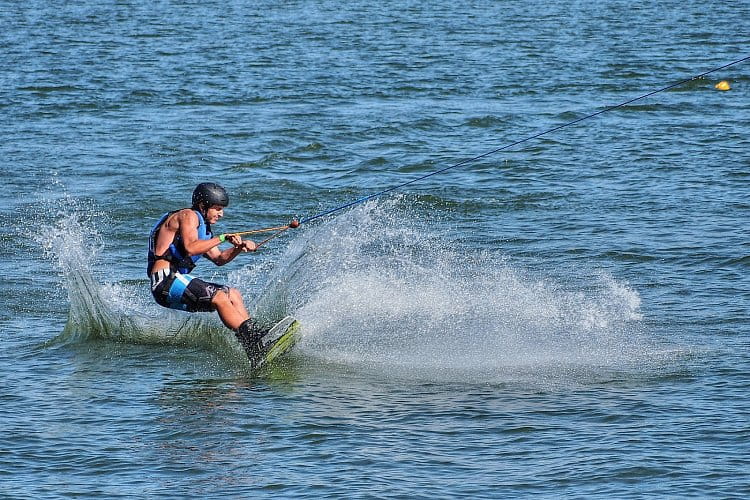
{"x":177,"y":289}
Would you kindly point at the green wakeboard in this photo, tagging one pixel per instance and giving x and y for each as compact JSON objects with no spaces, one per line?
{"x":278,"y":341}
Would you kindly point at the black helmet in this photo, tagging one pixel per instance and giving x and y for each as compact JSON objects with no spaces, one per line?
{"x":209,"y":194}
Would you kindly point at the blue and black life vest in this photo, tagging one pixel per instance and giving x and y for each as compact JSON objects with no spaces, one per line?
{"x":176,"y":255}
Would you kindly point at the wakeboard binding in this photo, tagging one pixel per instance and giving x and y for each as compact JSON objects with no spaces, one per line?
{"x":250,"y":337}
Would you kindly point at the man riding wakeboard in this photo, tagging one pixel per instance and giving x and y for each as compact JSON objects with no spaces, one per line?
{"x":176,"y":243}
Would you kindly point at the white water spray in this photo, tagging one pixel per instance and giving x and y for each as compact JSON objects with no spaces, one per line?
{"x":374,"y":293}
{"x":114,"y":311}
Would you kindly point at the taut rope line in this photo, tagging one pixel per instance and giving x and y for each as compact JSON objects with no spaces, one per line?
{"x":280,"y":229}
{"x":516,"y":143}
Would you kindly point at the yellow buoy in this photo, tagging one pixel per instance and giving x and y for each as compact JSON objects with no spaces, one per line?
{"x":722,"y":85}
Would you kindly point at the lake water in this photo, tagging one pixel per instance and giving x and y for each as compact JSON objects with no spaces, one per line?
{"x":566,"y":318}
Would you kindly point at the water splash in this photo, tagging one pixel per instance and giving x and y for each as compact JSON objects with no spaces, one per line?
{"x":114,"y":311}
{"x":377,"y":292}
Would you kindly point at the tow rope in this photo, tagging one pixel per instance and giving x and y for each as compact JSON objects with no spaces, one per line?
{"x":295,"y":223}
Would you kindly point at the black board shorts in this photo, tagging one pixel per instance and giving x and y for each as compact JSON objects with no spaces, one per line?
{"x":184,"y":292}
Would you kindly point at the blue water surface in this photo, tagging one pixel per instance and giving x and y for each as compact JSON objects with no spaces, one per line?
{"x":565,"y":318}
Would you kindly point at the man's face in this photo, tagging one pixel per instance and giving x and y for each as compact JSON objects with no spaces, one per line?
{"x":214,"y":213}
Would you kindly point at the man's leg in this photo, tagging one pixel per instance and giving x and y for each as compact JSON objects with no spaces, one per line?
{"x":231,"y":307}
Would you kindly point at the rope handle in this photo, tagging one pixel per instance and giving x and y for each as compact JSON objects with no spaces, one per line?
{"x":293,"y":224}
{"x":279,"y":230}
{"x":275,"y":235}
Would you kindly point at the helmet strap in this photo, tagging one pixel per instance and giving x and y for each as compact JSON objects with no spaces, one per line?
{"x":203,"y":210}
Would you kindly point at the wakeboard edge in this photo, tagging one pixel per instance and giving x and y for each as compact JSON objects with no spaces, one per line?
{"x":278,"y":341}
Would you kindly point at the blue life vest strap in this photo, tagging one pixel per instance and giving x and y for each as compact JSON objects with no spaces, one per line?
{"x":176,"y":255}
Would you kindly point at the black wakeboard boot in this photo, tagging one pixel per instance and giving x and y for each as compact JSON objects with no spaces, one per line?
{"x":250,"y":337}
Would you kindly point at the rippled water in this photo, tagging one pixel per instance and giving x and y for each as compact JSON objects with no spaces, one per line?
{"x":565,"y":318}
